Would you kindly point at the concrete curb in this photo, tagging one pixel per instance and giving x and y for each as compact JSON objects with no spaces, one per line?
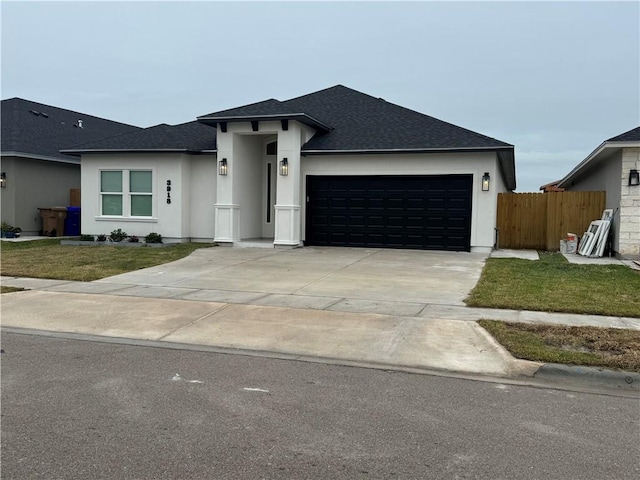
{"x":554,"y":376}
{"x":588,"y":377}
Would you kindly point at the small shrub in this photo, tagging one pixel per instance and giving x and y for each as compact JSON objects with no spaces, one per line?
{"x":134,"y":239}
{"x":101,"y":238}
{"x":9,"y":231}
{"x":118,"y":235}
{"x":153,"y":238}
{"x":86,"y":238}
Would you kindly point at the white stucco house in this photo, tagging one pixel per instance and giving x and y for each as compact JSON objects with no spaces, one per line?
{"x":614,"y":167}
{"x":335,"y":167}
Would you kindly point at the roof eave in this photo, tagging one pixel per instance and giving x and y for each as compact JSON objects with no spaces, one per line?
{"x":404,"y":150}
{"x":602,"y":151}
{"x":79,"y":152}
{"x":213,"y":120}
{"x":38,"y":157}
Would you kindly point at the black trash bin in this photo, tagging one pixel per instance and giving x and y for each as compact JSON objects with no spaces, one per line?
{"x":72,"y":222}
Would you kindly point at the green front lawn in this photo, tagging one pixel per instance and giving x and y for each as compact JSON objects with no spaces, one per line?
{"x":49,"y":259}
{"x":552,"y":284}
{"x":591,"y":346}
{"x":4,"y":289}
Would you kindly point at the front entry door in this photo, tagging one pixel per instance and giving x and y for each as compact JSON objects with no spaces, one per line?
{"x":269,"y":198}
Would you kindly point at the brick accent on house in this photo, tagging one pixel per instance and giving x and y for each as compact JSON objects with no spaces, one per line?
{"x":629,"y":229}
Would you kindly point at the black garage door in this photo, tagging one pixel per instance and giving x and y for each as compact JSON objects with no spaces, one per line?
{"x":420,"y":212}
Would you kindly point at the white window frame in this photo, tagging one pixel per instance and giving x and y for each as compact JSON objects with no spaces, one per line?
{"x":127,"y":194}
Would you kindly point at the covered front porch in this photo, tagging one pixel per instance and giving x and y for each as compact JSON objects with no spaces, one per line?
{"x":258,"y":199}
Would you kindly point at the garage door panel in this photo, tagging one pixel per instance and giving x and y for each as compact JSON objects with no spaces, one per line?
{"x":422,"y":212}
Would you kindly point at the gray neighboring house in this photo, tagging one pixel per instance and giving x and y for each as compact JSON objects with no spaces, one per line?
{"x":614,"y":167}
{"x":35,"y":174}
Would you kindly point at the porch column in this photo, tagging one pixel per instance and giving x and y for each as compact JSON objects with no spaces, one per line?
{"x":288,"y":192}
{"x":227,"y":213}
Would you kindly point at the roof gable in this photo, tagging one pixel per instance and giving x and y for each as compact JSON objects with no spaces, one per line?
{"x":600,"y":154}
{"x":43,"y":130}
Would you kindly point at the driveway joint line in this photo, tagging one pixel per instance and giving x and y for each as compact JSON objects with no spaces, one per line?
{"x":194,"y":322}
{"x":334,"y":303}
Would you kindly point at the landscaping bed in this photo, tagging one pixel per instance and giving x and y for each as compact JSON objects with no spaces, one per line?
{"x":612,"y":348}
{"x":552,"y":284}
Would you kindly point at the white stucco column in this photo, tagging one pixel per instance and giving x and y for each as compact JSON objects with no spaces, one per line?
{"x":288,"y":205}
{"x":227,"y":213}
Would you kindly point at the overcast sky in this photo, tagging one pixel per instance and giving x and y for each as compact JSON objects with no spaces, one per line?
{"x":555,"y":79}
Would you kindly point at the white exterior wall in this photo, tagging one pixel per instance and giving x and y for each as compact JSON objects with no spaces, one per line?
{"x":484,"y":204}
{"x":629,"y":235}
{"x":204,"y":177}
{"x":172,"y":221}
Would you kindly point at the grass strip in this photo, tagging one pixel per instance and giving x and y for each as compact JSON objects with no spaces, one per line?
{"x":552,"y":284}
{"x":4,"y":289}
{"x":49,"y":259}
{"x":612,"y":348}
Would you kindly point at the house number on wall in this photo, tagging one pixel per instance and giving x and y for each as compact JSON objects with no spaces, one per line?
{"x":168,"y":191}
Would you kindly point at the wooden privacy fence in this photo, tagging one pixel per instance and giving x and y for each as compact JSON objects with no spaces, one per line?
{"x":74,"y":197}
{"x":540,"y":220}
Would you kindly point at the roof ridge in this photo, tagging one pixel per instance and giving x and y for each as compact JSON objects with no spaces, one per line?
{"x":319,"y":91}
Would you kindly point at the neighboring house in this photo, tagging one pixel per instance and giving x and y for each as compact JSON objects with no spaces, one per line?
{"x":334,"y":167}
{"x":34,"y":172}
{"x":551,"y":187}
{"x":613,"y":167}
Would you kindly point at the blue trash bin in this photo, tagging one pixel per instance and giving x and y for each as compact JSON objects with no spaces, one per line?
{"x":72,"y":222}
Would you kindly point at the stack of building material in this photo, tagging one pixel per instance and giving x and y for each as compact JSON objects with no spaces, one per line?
{"x":569,"y":244}
{"x":595,"y":238}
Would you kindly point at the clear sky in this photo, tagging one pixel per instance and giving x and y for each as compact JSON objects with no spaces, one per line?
{"x":555,"y":79}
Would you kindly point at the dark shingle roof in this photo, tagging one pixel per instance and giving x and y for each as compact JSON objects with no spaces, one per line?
{"x":630,"y":136}
{"x":267,"y":110}
{"x":187,"y":137}
{"x":363,"y":122}
{"x":358,"y":123}
{"x":267,"y":107}
{"x":36,"y":129}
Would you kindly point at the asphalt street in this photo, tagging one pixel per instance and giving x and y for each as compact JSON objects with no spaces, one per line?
{"x":78,"y":409}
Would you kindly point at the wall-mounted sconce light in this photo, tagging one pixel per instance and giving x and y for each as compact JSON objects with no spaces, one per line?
{"x":222,"y":167}
{"x":634,"y":178}
{"x":486,"y":179}
{"x":3,"y":180}
{"x":284,"y":167}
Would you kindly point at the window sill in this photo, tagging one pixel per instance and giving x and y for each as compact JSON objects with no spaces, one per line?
{"x":126,"y":219}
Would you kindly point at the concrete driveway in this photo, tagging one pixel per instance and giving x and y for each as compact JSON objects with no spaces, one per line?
{"x":398,"y":282}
